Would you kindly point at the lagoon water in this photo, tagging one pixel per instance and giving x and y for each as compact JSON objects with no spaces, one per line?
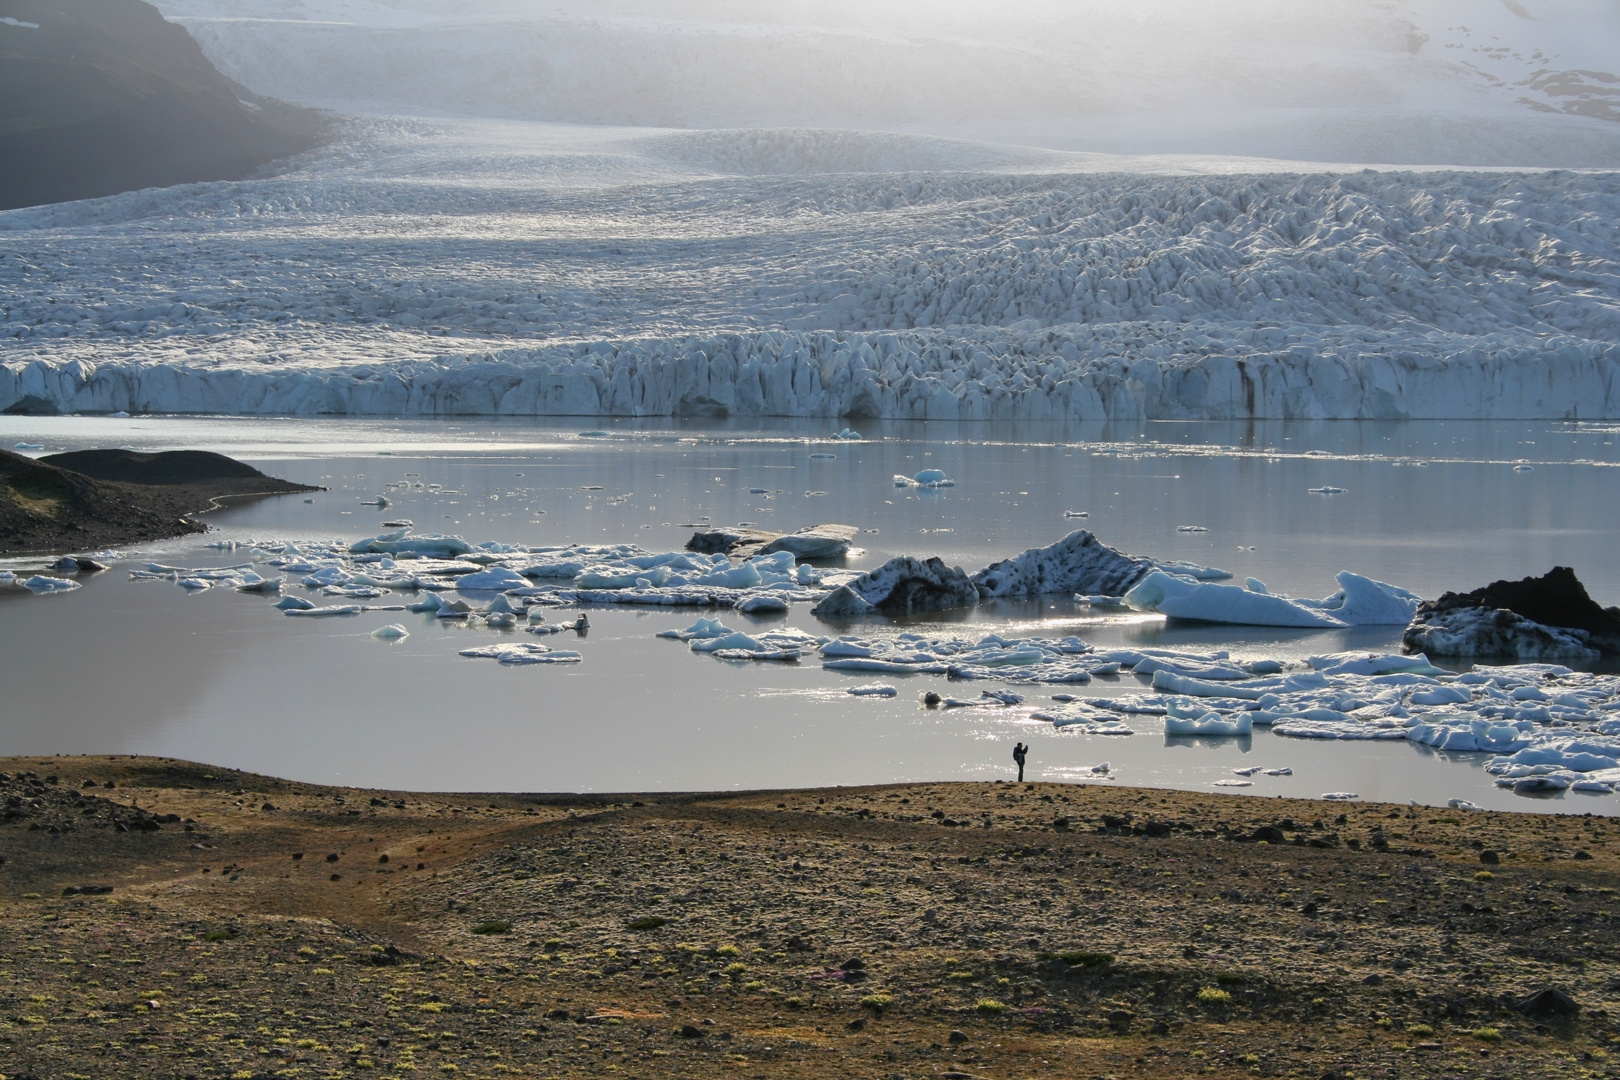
{"x":143,"y":667}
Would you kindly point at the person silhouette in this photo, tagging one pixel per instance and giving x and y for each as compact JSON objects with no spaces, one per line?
{"x":1020,"y":751}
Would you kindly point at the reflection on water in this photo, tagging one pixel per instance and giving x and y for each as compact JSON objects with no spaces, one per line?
{"x":141,"y":666}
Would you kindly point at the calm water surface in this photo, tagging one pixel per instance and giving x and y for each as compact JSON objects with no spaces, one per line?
{"x":141,"y":667}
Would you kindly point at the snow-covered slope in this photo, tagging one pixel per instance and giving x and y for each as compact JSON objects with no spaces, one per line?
{"x":436,"y":267}
{"x":1460,"y":82}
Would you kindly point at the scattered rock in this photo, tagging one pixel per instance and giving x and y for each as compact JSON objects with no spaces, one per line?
{"x":1490,"y":858}
{"x":1548,"y":1001}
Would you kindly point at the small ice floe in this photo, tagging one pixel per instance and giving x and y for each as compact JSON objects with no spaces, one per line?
{"x":1339,"y":796}
{"x":324,"y":612}
{"x":849,"y":433}
{"x":381,"y":502}
{"x":1180,"y":719}
{"x":1327,"y":489}
{"x":1249,"y":771}
{"x":1192,"y":528}
{"x":1083,"y":722}
{"x":1524,"y":468}
{"x":822,"y":457}
{"x":7,"y":577}
{"x":253,"y":583}
{"x":1076,"y":513}
{"x":30,"y":446}
{"x":391,"y":632}
{"x":593,"y":434}
{"x":1233,"y":783}
{"x":1463,"y":804}
{"x":40,"y":584}
{"x":1285,"y":771}
{"x":872,"y":691}
{"x":928,"y":478}
{"x":523,"y":652}
{"x":762,"y":605}
{"x":703,"y":628}
{"x":294,"y":603}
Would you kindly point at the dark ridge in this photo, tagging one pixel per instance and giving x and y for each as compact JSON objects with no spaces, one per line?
{"x":103,"y":96}
{"x":47,"y":508}
{"x":168,"y":467}
{"x":1557,"y":598}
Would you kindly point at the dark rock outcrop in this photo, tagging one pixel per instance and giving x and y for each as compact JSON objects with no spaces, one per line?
{"x":103,"y":96}
{"x":1533,"y":618}
{"x":44,"y":507}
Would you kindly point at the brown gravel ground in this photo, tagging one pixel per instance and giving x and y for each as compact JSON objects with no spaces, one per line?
{"x":257,"y":928}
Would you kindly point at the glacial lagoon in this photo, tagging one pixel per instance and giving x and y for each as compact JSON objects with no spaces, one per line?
{"x":143,"y":666}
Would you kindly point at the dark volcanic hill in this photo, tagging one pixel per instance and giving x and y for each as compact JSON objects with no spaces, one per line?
{"x":114,"y":497}
{"x":103,"y":96}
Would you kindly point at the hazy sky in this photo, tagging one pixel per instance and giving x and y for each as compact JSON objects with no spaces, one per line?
{"x":1040,"y":70}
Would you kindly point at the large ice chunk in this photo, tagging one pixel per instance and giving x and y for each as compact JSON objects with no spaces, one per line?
{"x":904,"y":585}
{"x":1359,"y":601}
{"x":1078,"y":563}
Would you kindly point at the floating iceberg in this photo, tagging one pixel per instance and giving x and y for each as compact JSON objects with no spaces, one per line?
{"x":872,"y":691}
{"x":927,"y":478}
{"x":1360,"y":601}
{"x":902,"y":586}
{"x":1078,"y":563}
{"x":41,"y":583}
{"x":523,"y":652}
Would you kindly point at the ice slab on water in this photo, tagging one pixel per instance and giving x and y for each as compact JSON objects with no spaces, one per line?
{"x":1360,"y":601}
{"x":42,"y":583}
{"x":523,"y":652}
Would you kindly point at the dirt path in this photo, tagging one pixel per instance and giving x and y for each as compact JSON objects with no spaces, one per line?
{"x":266,"y":928}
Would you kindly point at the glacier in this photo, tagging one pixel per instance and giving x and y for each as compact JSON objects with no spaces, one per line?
{"x":442,"y":268}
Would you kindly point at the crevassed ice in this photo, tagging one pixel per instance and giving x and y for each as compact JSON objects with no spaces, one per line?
{"x":940,"y":295}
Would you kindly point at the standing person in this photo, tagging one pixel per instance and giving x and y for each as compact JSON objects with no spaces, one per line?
{"x":1020,"y":751}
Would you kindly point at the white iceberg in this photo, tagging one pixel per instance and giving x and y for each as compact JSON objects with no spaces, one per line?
{"x":523,"y":652}
{"x":491,"y":578}
{"x":41,"y":583}
{"x":1360,"y":601}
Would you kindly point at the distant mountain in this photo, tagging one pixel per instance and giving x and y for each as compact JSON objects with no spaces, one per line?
{"x":103,"y":96}
{"x":1433,"y":82}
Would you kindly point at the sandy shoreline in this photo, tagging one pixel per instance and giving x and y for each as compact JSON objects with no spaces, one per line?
{"x":260,"y":927}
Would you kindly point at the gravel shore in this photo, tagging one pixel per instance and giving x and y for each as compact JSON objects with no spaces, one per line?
{"x":167,"y":919}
